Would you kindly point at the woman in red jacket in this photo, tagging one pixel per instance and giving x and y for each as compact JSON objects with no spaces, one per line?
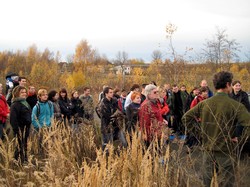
{"x":202,"y":96}
{"x":4,"y":112}
{"x":150,"y":115}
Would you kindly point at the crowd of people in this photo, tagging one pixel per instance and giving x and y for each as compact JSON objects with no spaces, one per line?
{"x":148,"y":107}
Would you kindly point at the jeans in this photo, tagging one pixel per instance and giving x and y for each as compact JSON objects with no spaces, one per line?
{"x":109,"y":137}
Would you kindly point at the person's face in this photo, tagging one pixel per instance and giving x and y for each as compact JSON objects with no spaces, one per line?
{"x":237,"y":87}
{"x":44,"y":97}
{"x":63,"y":95}
{"x":75,"y":95}
{"x":137,"y":99}
{"x":32,"y":90}
{"x":110,"y":94}
{"x":162,"y":94}
{"x":203,"y":83}
{"x":183,"y":88}
{"x":154,"y":94}
{"x":124,"y":94}
{"x":22,"y":82}
{"x":87,"y":92}
{"x":175,"y":89}
{"x":196,"y":92}
{"x":204,"y":94}
{"x":23,"y":93}
{"x":56,"y":97}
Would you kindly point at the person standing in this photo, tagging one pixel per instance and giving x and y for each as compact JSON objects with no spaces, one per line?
{"x":77,"y":110}
{"x":132,"y":112}
{"x":239,"y":95}
{"x":32,"y":97}
{"x":134,"y":88}
{"x":150,"y":116}
{"x":111,"y":119}
{"x":218,"y":116}
{"x":88,"y":104}
{"x":65,"y":105}
{"x":20,"y":120}
{"x":176,"y":110}
{"x":204,"y":84}
{"x":53,"y":97}
{"x":4,"y":112}
{"x":43,"y":111}
{"x":202,"y":96}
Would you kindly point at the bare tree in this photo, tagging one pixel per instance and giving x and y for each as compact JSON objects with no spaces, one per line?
{"x":220,"y":49}
{"x":157,"y":55}
{"x":121,"y":60}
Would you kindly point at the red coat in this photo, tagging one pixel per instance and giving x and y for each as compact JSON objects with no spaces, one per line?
{"x":4,"y":109}
{"x":196,"y":100}
{"x":151,"y":121}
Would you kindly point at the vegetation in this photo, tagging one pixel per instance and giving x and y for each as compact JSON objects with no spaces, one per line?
{"x":70,"y":157}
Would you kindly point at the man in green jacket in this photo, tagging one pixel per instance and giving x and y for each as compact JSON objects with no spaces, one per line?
{"x":218,"y":116}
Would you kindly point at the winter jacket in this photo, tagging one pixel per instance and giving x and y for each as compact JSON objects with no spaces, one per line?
{"x":57,"y":111}
{"x":151,"y":120}
{"x":20,"y":115}
{"x":88,"y":106}
{"x":4,"y":109}
{"x":196,"y":100}
{"x":42,"y":114}
{"x":132,"y":114}
{"x":32,"y":100}
{"x":108,"y":108}
{"x":241,"y":97}
{"x":219,"y":116}
{"x":77,"y":109}
{"x":66,"y":107}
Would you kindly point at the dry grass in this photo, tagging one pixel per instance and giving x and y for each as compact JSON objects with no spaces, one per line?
{"x":74,"y":158}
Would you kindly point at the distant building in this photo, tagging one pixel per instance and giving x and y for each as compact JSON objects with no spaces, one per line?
{"x":118,"y":69}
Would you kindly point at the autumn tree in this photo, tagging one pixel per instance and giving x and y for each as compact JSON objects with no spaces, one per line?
{"x":84,"y":54}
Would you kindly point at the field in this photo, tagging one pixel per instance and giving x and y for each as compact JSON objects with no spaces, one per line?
{"x":70,"y":157}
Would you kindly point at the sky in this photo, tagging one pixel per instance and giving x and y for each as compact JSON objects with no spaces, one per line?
{"x":134,"y":26}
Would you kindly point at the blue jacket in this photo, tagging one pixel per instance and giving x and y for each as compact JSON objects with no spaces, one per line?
{"x":42,"y":114}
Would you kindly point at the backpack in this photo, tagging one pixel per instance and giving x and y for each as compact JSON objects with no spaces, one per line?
{"x":38,"y":108}
{"x":98,"y":108}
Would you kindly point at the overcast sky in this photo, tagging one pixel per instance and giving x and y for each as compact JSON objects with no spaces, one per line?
{"x":134,"y":26}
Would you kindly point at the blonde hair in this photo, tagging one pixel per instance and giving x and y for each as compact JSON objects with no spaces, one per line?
{"x":41,"y":92}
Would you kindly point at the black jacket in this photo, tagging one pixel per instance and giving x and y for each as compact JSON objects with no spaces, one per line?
{"x":108,"y":108}
{"x":241,"y":97}
{"x":77,"y":107}
{"x":65,"y":106}
{"x":20,"y":116}
{"x":32,"y":100}
{"x":132,"y":114}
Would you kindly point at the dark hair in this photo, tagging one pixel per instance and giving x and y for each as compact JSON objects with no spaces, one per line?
{"x":144,"y":85}
{"x":235,"y":82}
{"x":203,"y":89}
{"x":63,"y":90}
{"x":86,"y":88}
{"x":52,"y":94}
{"x":154,"y":83}
{"x":221,"y":79}
{"x":106,"y":90}
{"x":20,"y":78}
{"x":134,"y":87}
